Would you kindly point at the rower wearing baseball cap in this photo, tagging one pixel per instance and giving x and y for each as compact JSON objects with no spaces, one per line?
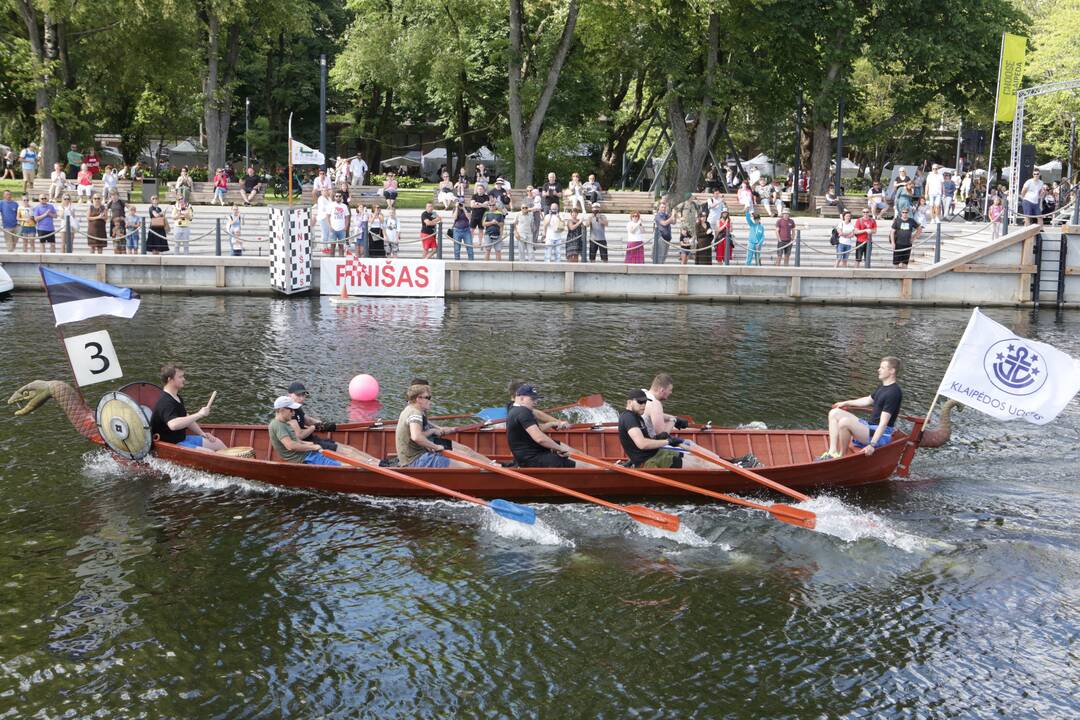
{"x":306,"y":426}
{"x":646,"y":450}
{"x":530,"y":445}
{"x":286,"y":443}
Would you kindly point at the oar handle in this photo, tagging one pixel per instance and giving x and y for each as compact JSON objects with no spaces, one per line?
{"x":746,"y":473}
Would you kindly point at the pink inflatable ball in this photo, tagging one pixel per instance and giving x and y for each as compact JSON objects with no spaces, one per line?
{"x":363,"y":388}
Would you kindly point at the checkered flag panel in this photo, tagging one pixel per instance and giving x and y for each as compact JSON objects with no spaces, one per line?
{"x":290,"y":249}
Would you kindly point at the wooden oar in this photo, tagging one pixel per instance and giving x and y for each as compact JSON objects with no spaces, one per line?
{"x":785,"y":513}
{"x":507,"y":509}
{"x":745,"y":472}
{"x":640,"y":513}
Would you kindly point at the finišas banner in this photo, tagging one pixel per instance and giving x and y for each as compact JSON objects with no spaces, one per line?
{"x":1009,"y":377}
{"x":382,"y":276}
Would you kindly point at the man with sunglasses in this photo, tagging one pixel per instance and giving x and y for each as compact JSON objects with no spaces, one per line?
{"x":305,"y":426}
{"x":650,"y":451}
{"x":419,"y":443}
{"x":1031,"y":196}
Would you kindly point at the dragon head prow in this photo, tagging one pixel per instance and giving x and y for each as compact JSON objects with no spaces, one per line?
{"x":31,"y":396}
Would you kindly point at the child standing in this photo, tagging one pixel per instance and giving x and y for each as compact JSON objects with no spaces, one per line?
{"x":234,"y":223}
{"x":997,"y":212}
{"x":390,"y":232}
{"x":132,"y":223}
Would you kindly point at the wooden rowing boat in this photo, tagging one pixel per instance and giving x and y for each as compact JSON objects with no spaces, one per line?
{"x":786,"y":456}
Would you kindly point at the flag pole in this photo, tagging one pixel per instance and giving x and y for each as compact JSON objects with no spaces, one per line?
{"x":993,"y":133}
{"x":291,"y":154}
{"x":60,"y":336}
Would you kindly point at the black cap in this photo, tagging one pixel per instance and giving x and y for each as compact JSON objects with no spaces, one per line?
{"x":637,"y":395}
{"x":298,"y":388}
{"x":528,"y":390}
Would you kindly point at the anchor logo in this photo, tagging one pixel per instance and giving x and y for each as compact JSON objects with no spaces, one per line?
{"x":1014,"y":368}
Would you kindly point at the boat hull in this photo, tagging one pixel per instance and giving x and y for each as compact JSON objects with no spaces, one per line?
{"x":787,"y":456}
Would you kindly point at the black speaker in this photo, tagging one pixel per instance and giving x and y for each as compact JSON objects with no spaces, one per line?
{"x":974,"y":142}
{"x":1027,"y":163}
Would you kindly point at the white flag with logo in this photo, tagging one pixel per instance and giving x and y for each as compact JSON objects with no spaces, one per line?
{"x":303,"y":155}
{"x":1008,"y":377}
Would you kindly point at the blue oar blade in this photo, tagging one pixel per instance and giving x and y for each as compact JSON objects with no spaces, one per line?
{"x":492,"y":413}
{"x":513,"y":511}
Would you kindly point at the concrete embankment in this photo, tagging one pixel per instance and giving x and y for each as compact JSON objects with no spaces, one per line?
{"x":994,"y":272}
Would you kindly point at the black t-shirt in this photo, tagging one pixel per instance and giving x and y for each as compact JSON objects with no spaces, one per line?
{"x":628,"y":419}
{"x":482,"y":199}
{"x":168,"y":408}
{"x":250,"y":182}
{"x":425,"y":218}
{"x":904,"y":230}
{"x":886,"y":399}
{"x":552,"y":192}
{"x":522,"y":446}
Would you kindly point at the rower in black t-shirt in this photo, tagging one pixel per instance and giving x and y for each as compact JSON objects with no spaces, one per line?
{"x":170,"y":420}
{"x":530,"y":446}
{"x":642,"y":449}
{"x":867,"y":433}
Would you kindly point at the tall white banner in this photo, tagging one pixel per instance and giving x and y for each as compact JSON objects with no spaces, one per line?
{"x":1009,"y":377}
{"x":382,"y":276}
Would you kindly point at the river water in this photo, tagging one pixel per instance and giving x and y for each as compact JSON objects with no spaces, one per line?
{"x":953,"y":593}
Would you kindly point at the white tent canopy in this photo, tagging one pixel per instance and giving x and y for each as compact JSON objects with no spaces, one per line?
{"x":764,"y":165}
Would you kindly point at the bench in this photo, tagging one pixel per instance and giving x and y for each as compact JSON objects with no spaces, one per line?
{"x":855,"y":203}
{"x":202,"y":193}
{"x":43,"y":185}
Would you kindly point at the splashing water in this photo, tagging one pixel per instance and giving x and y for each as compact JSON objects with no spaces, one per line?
{"x":840,"y":520}
{"x":685,"y":535}
{"x":539,"y":533}
{"x":604,"y":413}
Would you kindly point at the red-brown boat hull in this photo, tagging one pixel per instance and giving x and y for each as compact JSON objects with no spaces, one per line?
{"x":787,"y":456}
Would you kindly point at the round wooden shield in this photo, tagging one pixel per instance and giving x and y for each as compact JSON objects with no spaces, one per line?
{"x":124,"y":425}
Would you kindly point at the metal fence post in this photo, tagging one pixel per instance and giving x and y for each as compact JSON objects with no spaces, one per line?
{"x":1005,"y":220}
{"x":69,"y":239}
{"x":510,"y":238}
{"x":937,"y":244}
{"x":869,"y":247}
{"x":584,"y":242}
{"x":142,"y":238}
{"x":656,"y":245}
{"x":798,"y":248}
{"x":217,"y":237}
{"x":439,"y":242}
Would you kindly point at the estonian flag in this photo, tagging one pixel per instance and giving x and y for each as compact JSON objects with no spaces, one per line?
{"x":73,"y":298}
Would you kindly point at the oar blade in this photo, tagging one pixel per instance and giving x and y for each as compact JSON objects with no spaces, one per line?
{"x":492,"y":413}
{"x":591,"y":401}
{"x":794,"y":516}
{"x":513,"y":511}
{"x":648,"y":516}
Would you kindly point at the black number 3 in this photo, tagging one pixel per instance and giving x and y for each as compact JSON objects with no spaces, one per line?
{"x":96,"y":355}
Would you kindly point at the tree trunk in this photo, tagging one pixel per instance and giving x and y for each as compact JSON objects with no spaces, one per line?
{"x":822,"y":119}
{"x":217,"y":88}
{"x":463,"y":130}
{"x":692,"y":149}
{"x":525,"y":137}
{"x":42,"y":97}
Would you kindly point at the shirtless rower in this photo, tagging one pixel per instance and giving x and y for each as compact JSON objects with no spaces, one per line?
{"x":419,"y":443}
{"x":530,"y":445}
{"x":305,"y":427}
{"x":867,"y":433}
{"x":547,"y":422}
{"x":656,"y":421}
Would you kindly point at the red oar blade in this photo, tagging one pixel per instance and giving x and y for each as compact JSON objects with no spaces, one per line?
{"x":648,"y":516}
{"x":794,"y":516}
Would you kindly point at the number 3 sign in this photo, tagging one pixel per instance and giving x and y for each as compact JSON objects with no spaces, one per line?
{"x":93,"y":358}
